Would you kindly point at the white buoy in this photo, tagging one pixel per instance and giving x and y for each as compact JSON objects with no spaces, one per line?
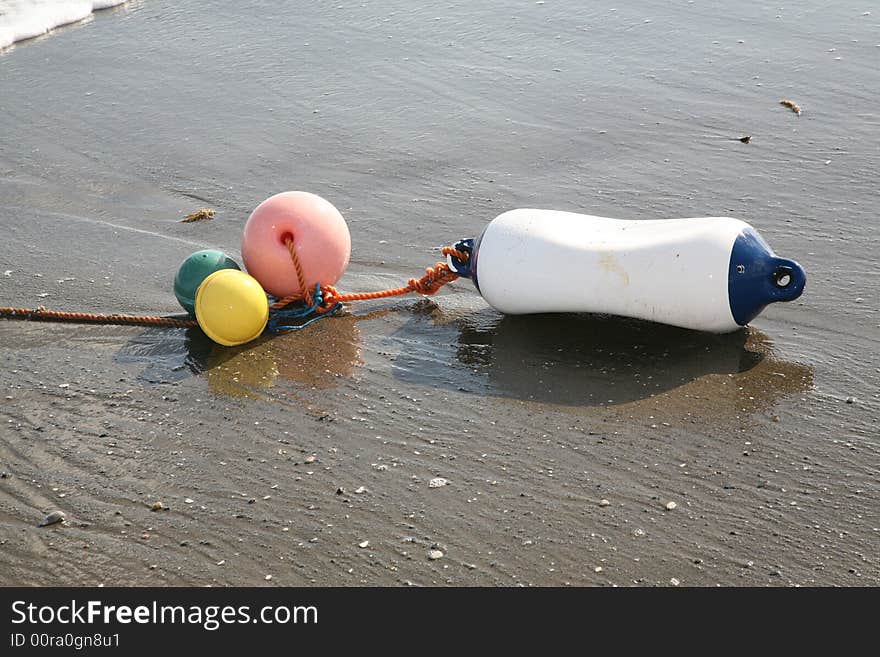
{"x":706,"y":273}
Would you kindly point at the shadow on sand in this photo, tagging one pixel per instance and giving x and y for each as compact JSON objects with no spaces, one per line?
{"x":595,"y":360}
{"x":567,"y":360}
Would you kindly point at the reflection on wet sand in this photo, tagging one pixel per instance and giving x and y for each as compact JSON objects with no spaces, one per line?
{"x":312,"y":358}
{"x":169,"y":354}
{"x":576,"y":361}
{"x":589,"y":360}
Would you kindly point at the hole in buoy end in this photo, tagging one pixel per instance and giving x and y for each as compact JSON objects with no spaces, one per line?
{"x":285,"y":237}
{"x":782,"y":277}
{"x":740,"y":269}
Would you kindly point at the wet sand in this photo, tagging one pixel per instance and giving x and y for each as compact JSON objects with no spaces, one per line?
{"x":421,"y":124}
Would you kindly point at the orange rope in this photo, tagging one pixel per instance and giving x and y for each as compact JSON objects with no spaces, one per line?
{"x":300,"y":277}
{"x":435,"y":277}
{"x":43,"y":314}
{"x":305,"y":294}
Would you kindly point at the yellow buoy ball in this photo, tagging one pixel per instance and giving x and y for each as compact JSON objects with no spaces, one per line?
{"x":231,"y":307}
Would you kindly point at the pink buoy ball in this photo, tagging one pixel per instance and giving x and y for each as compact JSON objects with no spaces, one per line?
{"x":320,"y":236}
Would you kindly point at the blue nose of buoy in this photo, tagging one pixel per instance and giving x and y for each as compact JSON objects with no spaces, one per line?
{"x":757,"y":277}
{"x":789,"y":279}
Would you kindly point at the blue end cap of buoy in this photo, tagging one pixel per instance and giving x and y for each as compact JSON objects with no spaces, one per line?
{"x":757,"y":277}
{"x":463,"y":268}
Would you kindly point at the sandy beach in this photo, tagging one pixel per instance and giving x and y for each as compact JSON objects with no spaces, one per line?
{"x":577,"y":450}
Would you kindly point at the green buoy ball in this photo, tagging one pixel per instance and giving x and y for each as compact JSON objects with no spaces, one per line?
{"x":196,"y":269}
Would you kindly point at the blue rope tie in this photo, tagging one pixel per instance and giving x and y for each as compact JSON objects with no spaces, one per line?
{"x":276,"y":317}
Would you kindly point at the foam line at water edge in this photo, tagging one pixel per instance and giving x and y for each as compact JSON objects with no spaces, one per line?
{"x":26,"y":19}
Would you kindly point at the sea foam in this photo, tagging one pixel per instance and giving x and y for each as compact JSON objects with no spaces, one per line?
{"x":25,"y":19}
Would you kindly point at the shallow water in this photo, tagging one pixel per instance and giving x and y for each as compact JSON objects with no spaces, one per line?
{"x":421,"y":124}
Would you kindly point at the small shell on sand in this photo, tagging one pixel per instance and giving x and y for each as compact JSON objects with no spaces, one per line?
{"x":52,"y":518}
